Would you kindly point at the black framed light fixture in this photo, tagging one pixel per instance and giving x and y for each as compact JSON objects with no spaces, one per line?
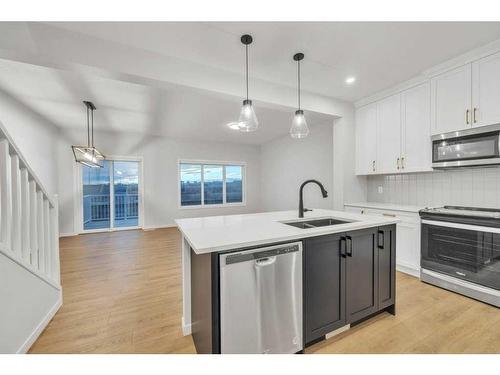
{"x":89,"y":155}
{"x":299,"y":128}
{"x":247,"y":122}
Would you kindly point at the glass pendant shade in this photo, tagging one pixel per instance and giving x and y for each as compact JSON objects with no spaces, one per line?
{"x":248,"y":120}
{"x":89,"y":156}
{"x":299,"y":128}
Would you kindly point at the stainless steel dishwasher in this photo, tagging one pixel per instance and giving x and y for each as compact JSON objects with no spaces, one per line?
{"x":261,"y":300}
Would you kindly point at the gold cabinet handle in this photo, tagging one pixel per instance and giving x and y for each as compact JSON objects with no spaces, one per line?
{"x":402,"y":162}
{"x":397,"y":163}
{"x":474,"y":115}
{"x":467,"y":117}
{"x":373,"y":165}
{"x":389,"y":215}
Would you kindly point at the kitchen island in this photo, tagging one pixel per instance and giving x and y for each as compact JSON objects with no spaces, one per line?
{"x":345,"y":253}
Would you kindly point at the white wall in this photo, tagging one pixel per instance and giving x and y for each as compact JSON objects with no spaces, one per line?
{"x":27,"y":304}
{"x":347,"y":186}
{"x":287,"y":162}
{"x":35,"y":137}
{"x":161,"y":155}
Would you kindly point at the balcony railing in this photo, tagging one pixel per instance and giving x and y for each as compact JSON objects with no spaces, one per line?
{"x":96,"y":207}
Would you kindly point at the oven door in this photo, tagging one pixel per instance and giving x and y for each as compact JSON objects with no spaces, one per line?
{"x":468,"y":252}
{"x":474,"y":149}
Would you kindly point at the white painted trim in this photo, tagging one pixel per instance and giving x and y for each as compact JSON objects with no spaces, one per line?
{"x":78,"y":197}
{"x":186,"y":328}
{"x":154,"y":227}
{"x":412,"y":271}
{"x":9,"y":254}
{"x":24,"y":164}
{"x":446,"y":224}
{"x":40,"y":327}
{"x":186,"y":286}
{"x":67,"y":234}
{"x":426,"y":75}
{"x":243,"y":164}
{"x":338,"y":331}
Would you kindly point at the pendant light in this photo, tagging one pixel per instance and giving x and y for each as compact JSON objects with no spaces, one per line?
{"x":299,"y":127}
{"x":89,"y":155}
{"x":247,"y":121}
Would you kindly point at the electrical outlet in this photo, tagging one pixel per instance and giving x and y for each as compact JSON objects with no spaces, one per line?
{"x":380,"y":190}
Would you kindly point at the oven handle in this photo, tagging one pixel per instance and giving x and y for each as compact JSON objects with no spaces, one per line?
{"x":478,"y":228}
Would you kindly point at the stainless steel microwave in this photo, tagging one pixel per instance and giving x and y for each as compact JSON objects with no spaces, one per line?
{"x":465,"y":148}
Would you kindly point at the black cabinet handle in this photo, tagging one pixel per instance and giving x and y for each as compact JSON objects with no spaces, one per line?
{"x":349,"y":246}
{"x":342,"y":245}
{"x":381,"y":239}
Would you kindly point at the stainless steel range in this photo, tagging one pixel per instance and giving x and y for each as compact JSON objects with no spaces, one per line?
{"x":461,"y":251}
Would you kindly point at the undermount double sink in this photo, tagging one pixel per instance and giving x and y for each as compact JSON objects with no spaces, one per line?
{"x":315,"y":223}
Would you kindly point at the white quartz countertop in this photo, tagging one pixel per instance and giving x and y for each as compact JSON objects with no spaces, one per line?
{"x":386,"y":206}
{"x":219,"y":233}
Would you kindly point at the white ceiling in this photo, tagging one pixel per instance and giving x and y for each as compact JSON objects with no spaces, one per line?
{"x":126,"y":107}
{"x":379,"y":54}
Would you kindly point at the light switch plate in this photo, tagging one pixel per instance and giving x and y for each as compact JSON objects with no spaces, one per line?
{"x":380,"y":190}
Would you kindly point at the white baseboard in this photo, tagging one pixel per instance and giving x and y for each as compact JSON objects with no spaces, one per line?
{"x":39,"y":329}
{"x":408,"y":270}
{"x":160,"y":227}
{"x":67,"y":234}
{"x":186,"y":328}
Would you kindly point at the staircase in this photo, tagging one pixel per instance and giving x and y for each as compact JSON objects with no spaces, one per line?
{"x":30,"y":286}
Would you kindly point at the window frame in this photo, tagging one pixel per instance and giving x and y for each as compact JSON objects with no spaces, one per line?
{"x":78,"y":197}
{"x":203,"y":163}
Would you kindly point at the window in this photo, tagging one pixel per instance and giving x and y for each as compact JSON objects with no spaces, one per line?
{"x":211,"y":184}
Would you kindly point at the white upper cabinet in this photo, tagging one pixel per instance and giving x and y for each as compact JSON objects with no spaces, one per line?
{"x":389,"y":134}
{"x":393,"y":134}
{"x":366,"y":132}
{"x":416,"y":145}
{"x":451,"y":100}
{"x":486,"y":91}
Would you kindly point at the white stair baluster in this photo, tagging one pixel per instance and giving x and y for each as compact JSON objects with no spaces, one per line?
{"x":40,"y":230}
{"x":16,"y":206}
{"x":5,"y":195}
{"x":47,"y":242}
{"x":33,"y":225}
{"x":54,"y":218}
{"x":25,"y":216}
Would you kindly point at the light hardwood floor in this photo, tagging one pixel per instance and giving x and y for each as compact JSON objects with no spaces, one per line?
{"x":122,"y":294}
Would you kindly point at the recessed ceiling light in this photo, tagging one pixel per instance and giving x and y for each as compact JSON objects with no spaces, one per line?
{"x":235,"y":125}
{"x":350,"y":80}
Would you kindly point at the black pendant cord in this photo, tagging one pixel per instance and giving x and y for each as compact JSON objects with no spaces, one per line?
{"x":92,"y":129}
{"x":246,"y":66}
{"x":298,"y":80}
{"x":88,"y":128}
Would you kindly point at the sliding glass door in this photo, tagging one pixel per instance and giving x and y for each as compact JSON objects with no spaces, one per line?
{"x":111,"y":195}
{"x":126,"y":193}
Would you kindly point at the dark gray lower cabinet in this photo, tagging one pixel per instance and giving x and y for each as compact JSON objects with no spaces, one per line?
{"x":324,"y":292}
{"x":386,"y":244}
{"x":361,"y":274}
{"x":347,"y":277}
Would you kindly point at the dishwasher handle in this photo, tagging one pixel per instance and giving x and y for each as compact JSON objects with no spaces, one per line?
{"x":265,"y":261}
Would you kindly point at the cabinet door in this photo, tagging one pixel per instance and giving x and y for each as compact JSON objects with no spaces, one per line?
{"x":389,"y":134}
{"x":408,"y":246}
{"x":486,"y":91}
{"x":366,"y":146}
{"x":361,"y":274}
{"x":416,"y":145}
{"x":451,"y":100}
{"x":324,"y":288}
{"x":386,"y":245}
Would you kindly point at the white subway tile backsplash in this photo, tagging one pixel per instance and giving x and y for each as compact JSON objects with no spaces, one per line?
{"x":478,"y":187}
